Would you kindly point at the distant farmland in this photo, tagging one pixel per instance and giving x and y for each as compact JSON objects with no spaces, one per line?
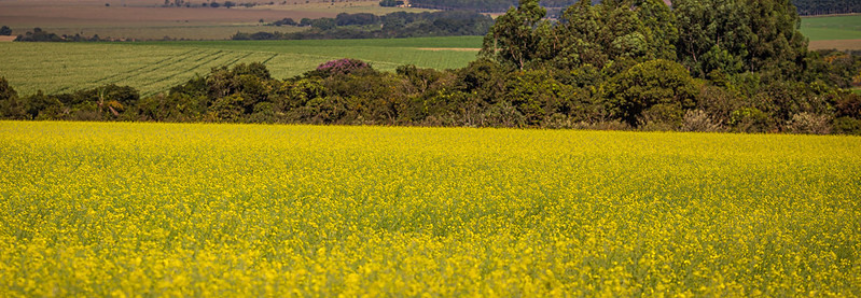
{"x":149,"y":20}
{"x":155,"y":67}
{"x":833,"y":32}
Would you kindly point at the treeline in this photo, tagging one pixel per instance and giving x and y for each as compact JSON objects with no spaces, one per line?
{"x":624,"y":64}
{"x":822,"y":7}
{"x":484,"y":6}
{"x":805,"y":7}
{"x":483,"y":94}
{"x":39,"y":35}
{"x":393,"y":25}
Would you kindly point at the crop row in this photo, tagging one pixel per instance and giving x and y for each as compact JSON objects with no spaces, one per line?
{"x":155,"y":67}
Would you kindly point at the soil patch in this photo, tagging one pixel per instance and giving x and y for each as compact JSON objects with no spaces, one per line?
{"x":848,"y":44}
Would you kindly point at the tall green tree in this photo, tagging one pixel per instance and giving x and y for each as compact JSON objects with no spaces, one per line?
{"x":777,"y":44}
{"x":623,"y":30}
{"x":516,"y":38}
{"x":581,"y":38}
{"x":734,"y":36}
{"x":659,"y":25}
{"x":713,"y":35}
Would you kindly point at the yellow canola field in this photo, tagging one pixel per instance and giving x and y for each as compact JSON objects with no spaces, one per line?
{"x":204,"y":210}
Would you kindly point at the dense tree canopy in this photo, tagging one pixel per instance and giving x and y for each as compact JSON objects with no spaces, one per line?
{"x":805,"y":7}
{"x":731,"y":36}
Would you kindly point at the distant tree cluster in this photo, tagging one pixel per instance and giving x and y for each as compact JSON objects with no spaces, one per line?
{"x":5,"y":31}
{"x":213,"y":4}
{"x":393,"y":25}
{"x":821,"y":7}
{"x":805,"y":7}
{"x":391,"y":3}
{"x":285,"y":22}
{"x":39,"y":35}
{"x":485,"y":6}
{"x":475,"y":5}
{"x":707,"y":37}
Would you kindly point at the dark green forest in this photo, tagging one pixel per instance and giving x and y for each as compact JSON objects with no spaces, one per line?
{"x":736,"y":66}
{"x":805,"y":7}
{"x":393,"y":25}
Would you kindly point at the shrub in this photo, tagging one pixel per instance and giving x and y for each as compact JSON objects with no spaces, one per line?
{"x":648,"y":84}
{"x":751,"y":120}
{"x":698,"y":120}
{"x":847,"y":125}
{"x":808,"y":123}
{"x":342,"y":67}
{"x":661,"y":117}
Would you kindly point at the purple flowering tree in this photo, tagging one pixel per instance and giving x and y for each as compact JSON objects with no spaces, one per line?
{"x":342,"y":66}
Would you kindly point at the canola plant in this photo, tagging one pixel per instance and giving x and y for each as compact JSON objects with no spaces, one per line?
{"x":205,"y":210}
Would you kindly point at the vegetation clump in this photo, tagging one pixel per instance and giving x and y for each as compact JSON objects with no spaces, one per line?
{"x":393,"y":25}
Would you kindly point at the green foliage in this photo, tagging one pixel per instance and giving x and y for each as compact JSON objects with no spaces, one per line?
{"x":740,"y":35}
{"x":659,"y":83}
{"x":751,"y":120}
{"x":39,"y":35}
{"x":516,"y":36}
{"x":847,"y":125}
{"x":393,"y":25}
{"x":11,"y":107}
{"x":659,"y":27}
{"x":324,"y":24}
{"x":391,"y":3}
{"x":6,"y":91}
{"x":777,"y":46}
{"x":537,"y":96}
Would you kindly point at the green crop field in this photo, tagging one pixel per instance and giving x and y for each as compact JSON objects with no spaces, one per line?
{"x":206,"y":210}
{"x":156,"y":66}
{"x":832,"y":27}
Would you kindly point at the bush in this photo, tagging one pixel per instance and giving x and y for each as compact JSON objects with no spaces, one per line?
{"x":11,"y":107}
{"x":342,"y":67}
{"x":751,"y":120}
{"x":698,"y":120}
{"x":848,"y":106}
{"x":808,"y":123}
{"x":661,"y":117}
{"x":391,"y":3}
{"x":648,"y":84}
{"x":847,"y":125}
